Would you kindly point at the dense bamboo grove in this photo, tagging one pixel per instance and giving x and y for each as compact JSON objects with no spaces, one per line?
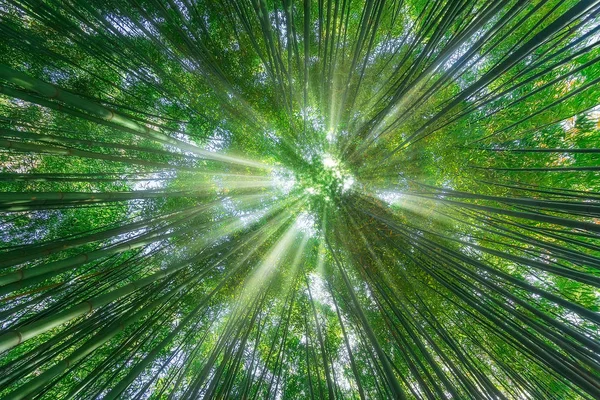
{"x":300,"y":199}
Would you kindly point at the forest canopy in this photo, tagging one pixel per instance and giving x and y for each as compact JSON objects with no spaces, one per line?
{"x":255,"y":199}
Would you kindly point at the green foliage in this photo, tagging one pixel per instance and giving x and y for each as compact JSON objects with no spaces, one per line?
{"x":260,"y":199}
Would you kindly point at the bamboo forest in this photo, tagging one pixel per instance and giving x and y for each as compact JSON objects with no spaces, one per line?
{"x":300,"y":199}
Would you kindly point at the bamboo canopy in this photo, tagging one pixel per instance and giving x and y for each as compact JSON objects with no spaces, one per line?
{"x":254,"y":199}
